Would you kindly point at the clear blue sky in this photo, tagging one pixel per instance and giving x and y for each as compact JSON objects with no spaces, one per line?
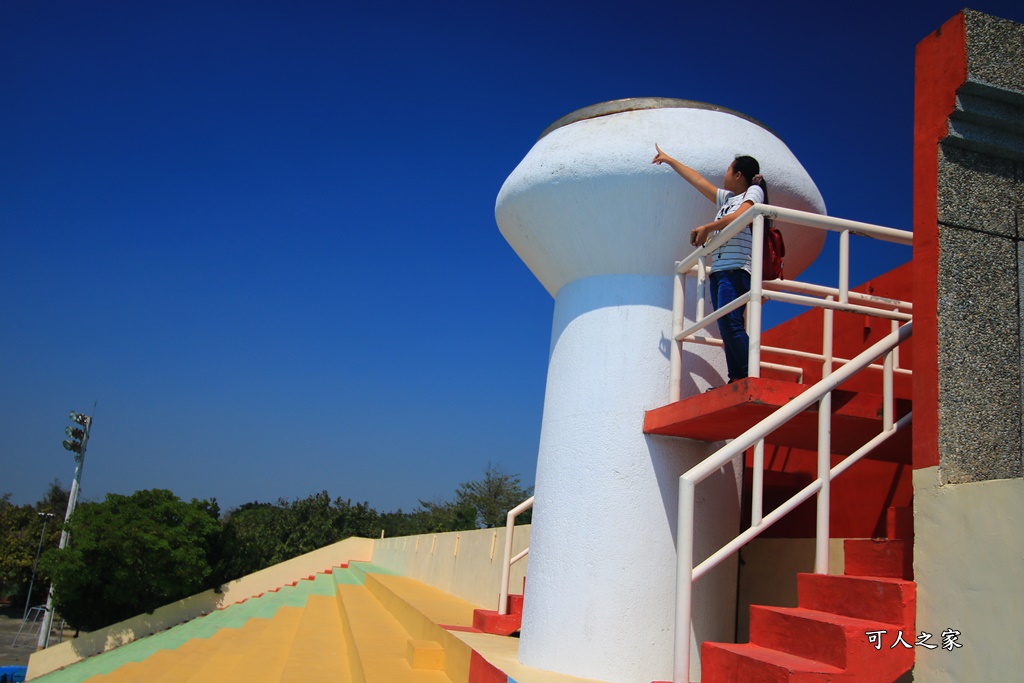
{"x":261,"y":234}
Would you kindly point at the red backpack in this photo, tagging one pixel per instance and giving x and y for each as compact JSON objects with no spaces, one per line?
{"x":773,"y":255}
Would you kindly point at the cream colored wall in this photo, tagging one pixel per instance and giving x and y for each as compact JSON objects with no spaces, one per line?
{"x":88,"y":644}
{"x":969,"y":568}
{"x":466,"y":564}
{"x":768,"y":572}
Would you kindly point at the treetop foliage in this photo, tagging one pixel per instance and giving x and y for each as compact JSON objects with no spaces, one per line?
{"x":131,"y":554}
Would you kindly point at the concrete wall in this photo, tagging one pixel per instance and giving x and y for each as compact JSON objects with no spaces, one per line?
{"x":466,"y":564}
{"x":969,"y":566}
{"x":88,"y":644}
{"x":968,"y":447}
{"x":968,"y":208}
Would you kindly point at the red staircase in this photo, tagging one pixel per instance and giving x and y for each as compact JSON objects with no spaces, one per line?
{"x":825,"y":638}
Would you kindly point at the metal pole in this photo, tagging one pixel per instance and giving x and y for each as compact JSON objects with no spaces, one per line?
{"x":824,"y":456}
{"x":754,"y":307}
{"x":31,"y":584}
{"x":684,"y":580}
{"x":44,"y":629}
{"x":508,"y":561}
{"x":676,"y":349}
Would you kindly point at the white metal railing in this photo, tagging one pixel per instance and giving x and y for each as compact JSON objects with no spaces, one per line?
{"x":820,"y":393}
{"x":506,"y":567}
{"x":829,"y":298}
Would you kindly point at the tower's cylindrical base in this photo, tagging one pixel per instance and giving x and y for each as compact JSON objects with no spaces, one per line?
{"x":601,"y":582}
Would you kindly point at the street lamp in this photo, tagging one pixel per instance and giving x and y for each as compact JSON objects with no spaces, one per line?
{"x":76,"y":443}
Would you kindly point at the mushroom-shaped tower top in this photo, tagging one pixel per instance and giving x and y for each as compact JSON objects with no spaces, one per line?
{"x":586,"y":200}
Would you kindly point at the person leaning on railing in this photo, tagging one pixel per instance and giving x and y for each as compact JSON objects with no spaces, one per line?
{"x":742,"y":187}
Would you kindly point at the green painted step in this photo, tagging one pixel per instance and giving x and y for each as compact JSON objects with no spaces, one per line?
{"x":233,"y":616}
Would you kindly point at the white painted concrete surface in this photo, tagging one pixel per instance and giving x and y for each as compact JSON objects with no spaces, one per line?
{"x":601,"y":227}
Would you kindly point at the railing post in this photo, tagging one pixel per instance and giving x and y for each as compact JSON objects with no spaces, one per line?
{"x":702,"y":278}
{"x":821,"y":536}
{"x":507,"y":562}
{"x":684,"y":580}
{"x":757,"y":485}
{"x":754,"y":306}
{"x":888,"y":401}
{"x":844,"y":267}
{"x":676,"y":349}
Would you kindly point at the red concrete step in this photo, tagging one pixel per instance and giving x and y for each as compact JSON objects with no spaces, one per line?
{"x":889,"y":601}
{"x":728,"y":411}
{"x":515,"y":604}
{"x":489,"y":621}
{"x":727,"y":663}
{"x":879,"y":557}
{"x":833,"y":639}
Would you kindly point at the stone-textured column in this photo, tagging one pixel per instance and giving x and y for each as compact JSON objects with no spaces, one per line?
{"x":968,"y":207}
{"x":601,"y":229}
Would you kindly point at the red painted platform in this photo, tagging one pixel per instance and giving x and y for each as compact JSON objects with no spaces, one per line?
{"x":728,"y":411}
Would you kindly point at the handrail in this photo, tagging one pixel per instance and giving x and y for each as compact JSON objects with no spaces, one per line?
{"x":806,"y":294}
{"x":805,"y":218}
{"x":506,"y":567}
{"x":821,"y":393}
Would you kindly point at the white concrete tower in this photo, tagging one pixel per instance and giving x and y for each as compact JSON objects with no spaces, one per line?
{"x":601,"y":228}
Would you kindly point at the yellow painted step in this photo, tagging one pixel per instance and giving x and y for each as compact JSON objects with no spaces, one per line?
{"x":319,"y":653}
{"x":172,"y":666}
{"x":233,"y":648}
{"x":378,"y":643}
{"x":427,"y":655}
{"x":405,"y":597}
{"x":164,"y":666}
{"x":422,"y":610}
{"x":266,"y":653}
{"x":243,"y":647}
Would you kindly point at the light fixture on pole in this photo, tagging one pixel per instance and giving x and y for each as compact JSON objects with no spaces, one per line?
{"x":76,"y":442}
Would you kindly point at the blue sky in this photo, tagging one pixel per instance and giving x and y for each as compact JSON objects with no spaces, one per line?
{"x":261,"y":235}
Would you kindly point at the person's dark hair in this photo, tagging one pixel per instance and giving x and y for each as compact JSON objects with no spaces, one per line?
{"x":748,"y":168}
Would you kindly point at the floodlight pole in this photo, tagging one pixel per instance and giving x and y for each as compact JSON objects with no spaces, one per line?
{"x":44,"y":630}
{"x":46,"y":518}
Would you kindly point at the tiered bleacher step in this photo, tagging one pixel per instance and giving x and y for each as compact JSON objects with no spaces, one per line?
{"x":825,"y":638}
{"x":206,"y":644}
{"x":358,"y":624}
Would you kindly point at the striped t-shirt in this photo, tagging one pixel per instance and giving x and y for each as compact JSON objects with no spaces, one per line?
{"x":735,"y":254}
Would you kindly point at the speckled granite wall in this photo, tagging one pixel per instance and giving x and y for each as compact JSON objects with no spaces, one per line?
{"x":981,"y":208}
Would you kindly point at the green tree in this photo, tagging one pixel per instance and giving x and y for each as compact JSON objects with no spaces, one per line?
{"x":250,"y":540}
{"x":356,"y":520}
{"x":311,"y":525}
{"x":19,"y":536}
{"x":493,"y":496}
{"x":439,"y":516}
{"x":20,"y":531}
{"x":257,"y":535}
{"x":131,"y":554}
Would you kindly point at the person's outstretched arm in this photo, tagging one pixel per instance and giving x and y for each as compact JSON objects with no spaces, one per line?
{"x":688,"y":174}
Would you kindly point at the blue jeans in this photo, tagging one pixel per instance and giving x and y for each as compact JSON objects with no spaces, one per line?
{"x":727,"y":285}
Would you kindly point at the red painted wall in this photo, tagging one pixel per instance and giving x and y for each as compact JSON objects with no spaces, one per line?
{"x":941,"y":68}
